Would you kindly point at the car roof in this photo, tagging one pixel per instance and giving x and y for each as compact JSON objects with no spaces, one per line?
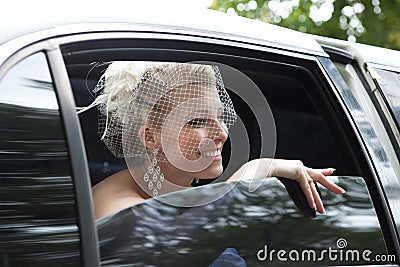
{"x":34,"y":17}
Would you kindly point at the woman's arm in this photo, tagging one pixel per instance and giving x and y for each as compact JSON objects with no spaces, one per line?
{"x":294,"y":170}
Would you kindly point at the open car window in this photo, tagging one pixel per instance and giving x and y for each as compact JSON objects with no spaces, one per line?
{"x":294,"y":116}
{"x":258,"y":225}
{"x":309,"y":126}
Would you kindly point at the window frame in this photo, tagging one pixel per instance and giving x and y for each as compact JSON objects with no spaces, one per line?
{"x":84,"y":201}
{"x":338,"y":110}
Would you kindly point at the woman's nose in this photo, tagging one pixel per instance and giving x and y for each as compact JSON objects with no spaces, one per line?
{"x":220,"y":131}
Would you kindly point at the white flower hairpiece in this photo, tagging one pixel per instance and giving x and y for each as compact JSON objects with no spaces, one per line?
{"x":120,"y":82}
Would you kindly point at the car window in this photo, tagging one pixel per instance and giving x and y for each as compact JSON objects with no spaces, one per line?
{"x":309,"y":126}
{"x":257,"y":225}
{"x":293,"y":117}
{"x":37,"y":200}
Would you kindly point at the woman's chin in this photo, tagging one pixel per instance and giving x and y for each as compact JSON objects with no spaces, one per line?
{"x":213,"y":172}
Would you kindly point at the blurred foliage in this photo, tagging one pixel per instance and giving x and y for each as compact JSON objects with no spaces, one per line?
{"x":375,"y":22}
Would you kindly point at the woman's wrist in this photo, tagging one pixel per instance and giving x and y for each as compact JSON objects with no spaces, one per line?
{"x":272,"y":169}
{"x":286,"y":168}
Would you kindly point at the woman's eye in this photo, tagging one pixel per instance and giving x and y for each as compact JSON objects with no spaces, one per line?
{"x":197,"y":122}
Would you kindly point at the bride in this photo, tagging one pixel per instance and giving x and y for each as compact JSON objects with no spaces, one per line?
{"x":170,"y":122}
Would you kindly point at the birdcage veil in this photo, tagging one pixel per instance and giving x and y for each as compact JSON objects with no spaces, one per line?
{"x":134,"y":94}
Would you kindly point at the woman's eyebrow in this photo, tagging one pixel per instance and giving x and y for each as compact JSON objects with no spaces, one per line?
{"x":218,"y":111}
{"x":200,"y":110}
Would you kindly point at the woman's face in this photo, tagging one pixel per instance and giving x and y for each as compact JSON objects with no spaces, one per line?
{"x":196,"y":133}
{"x":203,"y":137}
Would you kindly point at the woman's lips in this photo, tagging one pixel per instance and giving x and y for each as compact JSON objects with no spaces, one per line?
{"x":217,"y":158}
{"x":215,"y":155}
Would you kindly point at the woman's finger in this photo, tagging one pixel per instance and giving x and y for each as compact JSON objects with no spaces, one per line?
{"x":326,"y":171}
{"x":317,"y":199}
{"x":320,"y":178}
{"x":305,"y":187}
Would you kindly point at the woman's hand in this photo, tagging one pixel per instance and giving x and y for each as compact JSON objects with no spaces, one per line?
{"x":295,"y":170}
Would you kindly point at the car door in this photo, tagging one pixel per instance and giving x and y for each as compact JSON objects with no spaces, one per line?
{"x":299,"y":93}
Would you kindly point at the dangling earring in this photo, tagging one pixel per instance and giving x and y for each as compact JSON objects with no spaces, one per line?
{"x":154,"y":177}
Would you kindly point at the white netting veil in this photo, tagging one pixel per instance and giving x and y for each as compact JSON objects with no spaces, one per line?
{"x":180,"y":107}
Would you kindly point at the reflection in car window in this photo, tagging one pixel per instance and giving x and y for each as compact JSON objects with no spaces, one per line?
{"x":153,"y":233}
{"x":374,"y":145}
{"x":32,"y":89}
{"x":37,"y":202}
{"x":389,"y":83}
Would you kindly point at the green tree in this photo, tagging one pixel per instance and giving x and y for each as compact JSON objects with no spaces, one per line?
{"x":375,"y":22}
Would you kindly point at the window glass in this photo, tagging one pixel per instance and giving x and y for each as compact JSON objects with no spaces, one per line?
{"x":389,"y":83}
{"x":37,"y":202}
{"x":371,"y":128}
{"x":258,"y":225}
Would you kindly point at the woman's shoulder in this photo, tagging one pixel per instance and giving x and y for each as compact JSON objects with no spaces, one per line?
{"x":115,"y":193}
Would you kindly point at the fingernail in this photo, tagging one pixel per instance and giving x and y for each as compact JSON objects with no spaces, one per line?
{"x":343,"y":191}
{"x":324,"y":213}
{"x":332,"y":169}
